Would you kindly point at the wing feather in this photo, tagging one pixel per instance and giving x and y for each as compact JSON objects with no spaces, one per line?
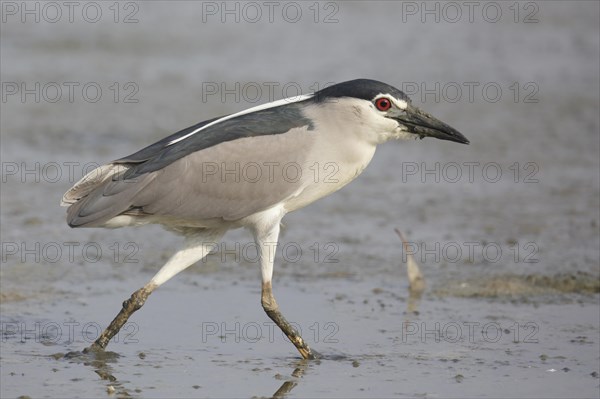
{"x":201,"y":177}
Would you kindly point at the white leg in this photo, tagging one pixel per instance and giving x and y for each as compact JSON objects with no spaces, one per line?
{"x":266,"y":237}
{"x":266,"y":243}
{"x":196,"y":247}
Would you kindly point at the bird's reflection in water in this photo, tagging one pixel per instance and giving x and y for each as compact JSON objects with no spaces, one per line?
{"x":416,"y":279}
{"x":101,"y":363}
{"x":414,"y":299}
{"x":300,"y":367}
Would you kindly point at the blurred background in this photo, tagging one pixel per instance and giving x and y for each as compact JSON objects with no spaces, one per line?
{"x":505,"y":229}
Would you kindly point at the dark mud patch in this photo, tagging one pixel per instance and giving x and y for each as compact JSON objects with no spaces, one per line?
{"x":11,"y":296}
{"x":519,"y":286}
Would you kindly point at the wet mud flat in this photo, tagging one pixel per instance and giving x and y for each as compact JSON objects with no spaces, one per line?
{"x":524,"y":323}
{"x":375,"y":340}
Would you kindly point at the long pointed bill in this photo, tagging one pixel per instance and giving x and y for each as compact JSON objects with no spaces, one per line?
{"x":424,"y":125}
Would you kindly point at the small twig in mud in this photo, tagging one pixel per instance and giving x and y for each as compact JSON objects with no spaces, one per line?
{"x":416,"y":280}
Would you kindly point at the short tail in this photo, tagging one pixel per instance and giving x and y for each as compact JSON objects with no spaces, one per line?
{"x":101,"y":195}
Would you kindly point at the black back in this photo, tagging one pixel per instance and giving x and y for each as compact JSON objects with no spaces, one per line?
{"x":276,"y":120}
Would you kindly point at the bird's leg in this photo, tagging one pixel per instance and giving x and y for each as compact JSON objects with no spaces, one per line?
{"x":272,"y":309}
{"x":135,"y":302}
{"x":266,"y":240}
{"x":196,"y":247}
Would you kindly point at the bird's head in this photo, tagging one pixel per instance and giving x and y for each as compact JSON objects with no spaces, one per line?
{"x":388,"y":111}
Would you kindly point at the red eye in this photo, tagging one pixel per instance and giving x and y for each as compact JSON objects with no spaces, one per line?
{"x":383,"y":104}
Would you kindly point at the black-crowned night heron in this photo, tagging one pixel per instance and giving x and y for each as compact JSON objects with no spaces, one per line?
{"x":234,"y":171}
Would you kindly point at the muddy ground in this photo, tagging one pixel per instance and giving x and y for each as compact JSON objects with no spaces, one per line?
{"x":506,"y":230}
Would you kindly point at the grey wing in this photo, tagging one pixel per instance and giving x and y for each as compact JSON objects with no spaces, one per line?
{"x":170,"y":178}
{"x":230,"y":181}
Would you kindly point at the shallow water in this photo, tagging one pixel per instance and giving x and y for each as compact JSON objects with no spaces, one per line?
{"x":506,"y":229}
